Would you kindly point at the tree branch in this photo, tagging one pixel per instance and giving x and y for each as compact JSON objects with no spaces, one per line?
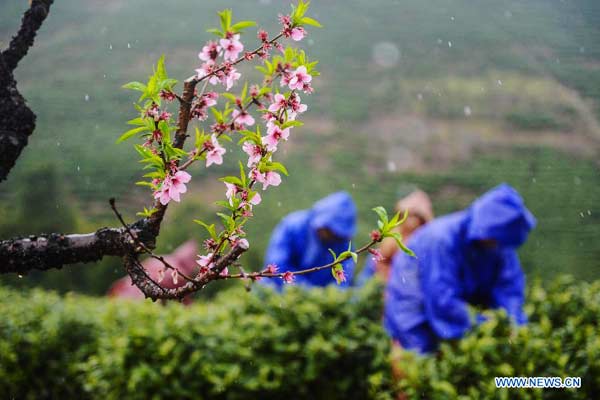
{"x":17,"y":121}
{"x":31,"y":22}
{"x":54,"y":250}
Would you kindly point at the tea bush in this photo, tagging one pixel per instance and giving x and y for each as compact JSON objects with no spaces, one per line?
{"x":317,"y":344}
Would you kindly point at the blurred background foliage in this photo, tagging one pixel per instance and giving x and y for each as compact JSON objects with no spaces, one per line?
{"x":452,"y":96}
{"x":302,"y":344}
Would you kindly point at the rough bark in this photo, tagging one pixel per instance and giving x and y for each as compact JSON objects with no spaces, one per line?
{"x":17,"y":121}
{"x":54,"y":250}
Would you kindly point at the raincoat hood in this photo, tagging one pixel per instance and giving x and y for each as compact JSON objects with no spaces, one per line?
{"x":500,"y":214}
{"x":417,"y":203}
{"x":336,"y":212}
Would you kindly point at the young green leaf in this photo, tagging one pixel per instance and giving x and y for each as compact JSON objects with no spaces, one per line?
{"x":310,"y":21}
{"x":130,"y":133}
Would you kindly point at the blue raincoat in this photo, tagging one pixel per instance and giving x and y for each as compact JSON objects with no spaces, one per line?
{"x":427,"y":297}
{"x":295,"y":244}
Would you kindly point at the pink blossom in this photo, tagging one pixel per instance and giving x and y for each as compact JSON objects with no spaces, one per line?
{"x":164,"y":116}
{"x":274,"y":135}
{"x":375,"y":235}
{"x":288,"y":277}
{"x":210,"y":51}
{"x":167,"y":95}
{"x":205,"y":262}
{"x":224,"y":272}
{"x":377,"y":256}
{"x":247,"y":204}
{"x":340,"y":276}
{"x":256,"y":199}
{"x":206,"y":69}
{"x":254,"y":152}
{"x":262,"y":35}
{"x":298,"y":33}
{"x":240,"y":242}
{"x":279,"y":103}
{"x":271,"y":269}
{"x":214,"y":151}
{"x":232,"y":47}
{"x":296,"y":105}
{"x":210,"y":98}
{"x":172,"y":187}
{"x":232,"y":190}
{"x":269,"y":178}
{"x":285,"y":20}
{"x":299,"y":78}
{"x":254,"y":91}
{"x":229,"y":77}
{"x":307,"y":88}
{"x":285,"y":79}
{"x":243,"y":117}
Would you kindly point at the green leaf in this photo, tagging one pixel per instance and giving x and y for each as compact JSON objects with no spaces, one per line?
{"x":161,"y":72}
{"x":276,"y":166}
{"x":398,"y":238}
{"x":232,"y":179}
{"x":383,"y":217}
{"x":244,"y":91}
{"x":229,"y":96}
{"x":130,"y":133}
{"x":139,"y":86}
{"x":209,"y":228}
{"x":225,"y":17}
{"x":242,"y":174}
{"x":333,"y":254}
{"x":348,"y":254}
{"x":146,"y":212}
{"x":238,"y":27}
{"x":137,"y":121}
{"x":291,"y":123}
{"x":310,"y":21}
{"x":215,"y":32}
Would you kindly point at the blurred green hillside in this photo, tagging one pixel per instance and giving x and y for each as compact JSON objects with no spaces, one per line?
{"x":452,"y":96}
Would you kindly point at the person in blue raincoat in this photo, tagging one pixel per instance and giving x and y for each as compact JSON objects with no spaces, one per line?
{"x":302,"y":239}
{"x":468,"y":257}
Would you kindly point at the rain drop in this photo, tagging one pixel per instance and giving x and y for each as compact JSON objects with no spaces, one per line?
{"x":420,"y":96}
{"x":128,"y":45}
{"x":499,"y":82}
{"x":391,"y":166}
{"x":87,"y":97}
{"x":20,"y":276}
{"x":354,"y":186}
{"x":467,"y":111}
{"x":110,"y":46}
{"x":449,"y":44}
{"x":78,"y":168}
{"x":278,"y":204}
